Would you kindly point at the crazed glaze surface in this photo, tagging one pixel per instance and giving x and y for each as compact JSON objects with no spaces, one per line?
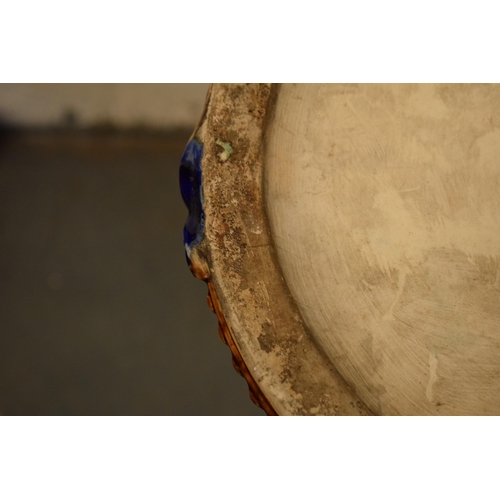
{"x":384,"y":205}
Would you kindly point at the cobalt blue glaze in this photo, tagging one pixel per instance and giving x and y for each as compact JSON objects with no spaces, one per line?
{"x":190,"y":184}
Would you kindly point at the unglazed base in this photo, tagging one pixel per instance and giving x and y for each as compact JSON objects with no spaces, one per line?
{"x":384,"y":209}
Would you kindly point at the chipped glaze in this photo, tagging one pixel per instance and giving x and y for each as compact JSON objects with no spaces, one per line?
{"x":236,"y":256}
{"x":190,"y":182}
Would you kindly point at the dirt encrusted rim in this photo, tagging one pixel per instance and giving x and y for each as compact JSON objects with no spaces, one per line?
{"x":286,"y":371}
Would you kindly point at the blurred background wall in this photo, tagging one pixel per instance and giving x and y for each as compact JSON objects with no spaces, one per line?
{"x":155,"y":106}
{"x":99,"y":314}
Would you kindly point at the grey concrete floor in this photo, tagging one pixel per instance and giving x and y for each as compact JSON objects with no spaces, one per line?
{"x":99,"y":314}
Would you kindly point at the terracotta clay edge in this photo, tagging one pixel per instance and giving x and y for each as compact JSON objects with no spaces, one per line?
{"x":199,"y":270}
{"x":256,"y":395}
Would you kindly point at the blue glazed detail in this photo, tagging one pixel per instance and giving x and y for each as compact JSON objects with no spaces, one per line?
{"x":191,"y":190}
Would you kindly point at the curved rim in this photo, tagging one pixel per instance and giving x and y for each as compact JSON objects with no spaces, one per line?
{"x":229,"y":245}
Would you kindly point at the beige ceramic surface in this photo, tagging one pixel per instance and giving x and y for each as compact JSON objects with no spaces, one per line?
{"x":384,"y":207}
{"x":258,"y":317}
